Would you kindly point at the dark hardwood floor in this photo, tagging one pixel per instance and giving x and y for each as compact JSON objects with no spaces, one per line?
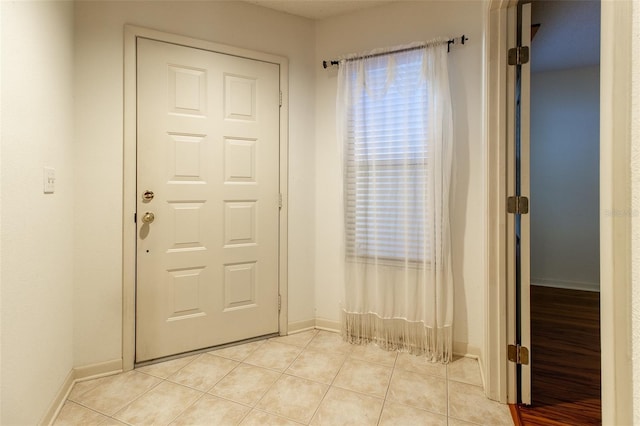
{"x":565,"y":356}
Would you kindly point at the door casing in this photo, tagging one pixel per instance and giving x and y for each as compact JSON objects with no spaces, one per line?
{"x":615,"y":232}
{"x":129,"y":229}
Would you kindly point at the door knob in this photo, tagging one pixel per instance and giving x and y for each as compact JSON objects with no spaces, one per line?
{"x":148,"y":217}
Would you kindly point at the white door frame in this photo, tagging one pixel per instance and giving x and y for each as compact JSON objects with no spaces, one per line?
{"x":615,"y":229}
{"x":131,"y":33}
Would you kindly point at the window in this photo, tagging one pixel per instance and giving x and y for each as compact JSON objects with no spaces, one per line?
{"x":386,"y":158}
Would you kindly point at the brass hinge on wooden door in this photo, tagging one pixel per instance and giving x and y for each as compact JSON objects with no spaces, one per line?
{"x":518,"y":354}
{"x":517,"y":205}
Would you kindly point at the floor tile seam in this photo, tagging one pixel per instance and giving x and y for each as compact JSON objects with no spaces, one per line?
{"x":393,"y":370}
{"x":465,"y":383}
{"x":281,"y":373}
{"x":369,"y":361}
{"x":277,"y":415}
{"x":232,"y":400}
{"x":294,"y":360}
{"x":90,"y":389}
{"x":306,"y":378}
{"x":168,"y":379}
{"x":202,"y":394}
{"x":84,"y":406}
{"x":464,"y":420}
{"x":418,"y":408}
{"x":277,"y":370}
{"x":245,"y":415}
{"x":134,"y":400}
{"x":224,"y":376}
{"x":121,"y":407}
{"x":358,"y":392}
{"x":446,"y":377}
{"x":344,"y":361}
{"x":384,"y":404}
{"x":326,"y":392}
{"x":110,"y":377}
{"x":421,"y":373}
{"x":360,"y":360}
{"x":188,"y":386}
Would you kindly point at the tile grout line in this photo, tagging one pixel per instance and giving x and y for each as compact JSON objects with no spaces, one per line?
{"x":241,"y":362}
{"x":324,"y":350}
{"x":446,"y":376}
{"x":135,"y":399}
{"x":386,"y":394}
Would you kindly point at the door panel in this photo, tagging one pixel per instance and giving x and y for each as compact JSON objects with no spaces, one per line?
{"x":208,"y":148}
{"x":523,"y":235}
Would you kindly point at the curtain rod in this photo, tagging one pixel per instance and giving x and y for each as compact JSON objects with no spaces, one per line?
{"x":461,"y":40}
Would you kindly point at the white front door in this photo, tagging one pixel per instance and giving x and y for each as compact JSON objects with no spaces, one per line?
{"x":207,"y":199}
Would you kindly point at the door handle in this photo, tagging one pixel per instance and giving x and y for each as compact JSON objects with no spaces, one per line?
{"x":148,"y":217}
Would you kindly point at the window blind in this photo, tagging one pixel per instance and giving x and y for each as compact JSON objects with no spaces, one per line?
{"x":386,"y":158}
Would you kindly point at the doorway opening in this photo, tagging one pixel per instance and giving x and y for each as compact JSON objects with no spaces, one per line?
{"x":564,"y":213}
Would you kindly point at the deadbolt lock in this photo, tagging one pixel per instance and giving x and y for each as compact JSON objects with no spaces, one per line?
{"x":148,"y":217}
{"x":148,"y":195}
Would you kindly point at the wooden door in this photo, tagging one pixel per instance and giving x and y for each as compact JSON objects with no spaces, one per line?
{"x":208,"y":199}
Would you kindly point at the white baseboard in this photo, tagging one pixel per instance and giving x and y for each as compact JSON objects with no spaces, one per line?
{"x":101,"y":369}
{"x":60,"y":398}
{"x":328,"y":325}
{"x":569,"y":285}
{"x":79,"y":374}
{"x":317,"y":323}
{"x":300,"y":326}
{"x":466,"y":350}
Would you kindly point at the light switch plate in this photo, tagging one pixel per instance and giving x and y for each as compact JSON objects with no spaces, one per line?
{"x":49,"y":180}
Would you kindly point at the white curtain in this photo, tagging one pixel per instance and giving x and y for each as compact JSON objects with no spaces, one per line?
{"x":395,"y":126}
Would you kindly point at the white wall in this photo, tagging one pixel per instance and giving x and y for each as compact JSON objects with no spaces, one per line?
{"x":386,"y":26}
{"x":99,"y":127}
{"x":564,"y":208}
{"x":37,"y":229}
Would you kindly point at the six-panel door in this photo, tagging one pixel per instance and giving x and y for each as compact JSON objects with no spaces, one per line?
{"x":208,"y":149}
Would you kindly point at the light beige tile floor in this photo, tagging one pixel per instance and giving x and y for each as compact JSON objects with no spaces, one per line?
{"x":310,"y":378}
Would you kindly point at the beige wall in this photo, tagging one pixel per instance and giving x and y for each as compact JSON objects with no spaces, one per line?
{"x":99,"y":127}
{"x":61,"y":296}
{"x":565,"y":207}
{"x":390,"y":25}
{"x":37,"y":228}
{"x":635,"y":211}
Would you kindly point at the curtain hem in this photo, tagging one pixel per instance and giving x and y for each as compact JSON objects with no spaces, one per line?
{"x":436,"y":344}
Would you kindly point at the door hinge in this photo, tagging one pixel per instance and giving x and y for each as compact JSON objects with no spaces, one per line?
{"x":518,"y":354}
{"x":518,"y":55}
{"x":281,"y":98}
{"x":279,"y":201}
{"x":518,"y":205}
{"x":135,"y":218}
{"x":279,"y":303}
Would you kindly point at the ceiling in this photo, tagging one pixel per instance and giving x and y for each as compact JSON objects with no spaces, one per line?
{"x":318,"y":9}
{"x":569,"y":34}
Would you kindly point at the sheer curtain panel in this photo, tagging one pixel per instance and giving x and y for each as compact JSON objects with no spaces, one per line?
{"x":395,"y":126}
